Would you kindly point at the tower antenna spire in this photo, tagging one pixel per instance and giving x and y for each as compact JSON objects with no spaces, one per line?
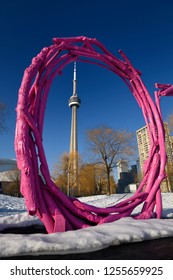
{"x":74,"y":81}
{"x":74,"y":103}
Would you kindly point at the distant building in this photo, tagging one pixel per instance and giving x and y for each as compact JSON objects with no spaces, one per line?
{"x":143,"y":141}
{"x":132,"y":188}
{"x":125,"y":176}
{"x":125,"y":179}
{"x":134,"y":172}
{"x":143,"y":145}
{"x":122,"y":166}
{"x":138,"y":167}
{"x":7,"y":165}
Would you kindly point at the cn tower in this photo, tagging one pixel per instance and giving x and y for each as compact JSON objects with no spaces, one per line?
{"x":74,"y":103}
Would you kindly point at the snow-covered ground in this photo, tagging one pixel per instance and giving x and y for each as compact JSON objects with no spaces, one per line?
{"x":13,"y":213}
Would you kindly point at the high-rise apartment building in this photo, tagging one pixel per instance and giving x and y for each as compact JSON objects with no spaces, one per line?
{"x":143,"y":145}
{"x":143,"y":141}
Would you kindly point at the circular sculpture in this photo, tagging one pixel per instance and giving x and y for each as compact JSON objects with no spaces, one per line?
{"x":43,"y":198}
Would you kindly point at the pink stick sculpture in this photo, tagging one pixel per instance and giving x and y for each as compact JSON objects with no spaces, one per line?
{"x":43,"y":198}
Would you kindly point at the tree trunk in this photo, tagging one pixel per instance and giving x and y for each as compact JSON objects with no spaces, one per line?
{"x":109,"y":185}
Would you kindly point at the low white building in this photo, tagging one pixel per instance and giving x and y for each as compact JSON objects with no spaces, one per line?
{"x":131,"y":188}
{"x":7,"y":165}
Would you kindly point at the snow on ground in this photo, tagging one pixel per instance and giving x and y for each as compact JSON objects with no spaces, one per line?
{"x":13,"y":213}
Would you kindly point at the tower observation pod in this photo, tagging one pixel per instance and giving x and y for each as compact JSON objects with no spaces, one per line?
{"x":74,"y":103}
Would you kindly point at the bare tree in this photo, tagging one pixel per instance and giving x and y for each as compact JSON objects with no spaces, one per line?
{"x":101,"y":177}
{"x":109,"y":146}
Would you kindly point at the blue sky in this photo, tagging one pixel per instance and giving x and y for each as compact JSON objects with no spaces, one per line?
{"x":142,"y":29}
